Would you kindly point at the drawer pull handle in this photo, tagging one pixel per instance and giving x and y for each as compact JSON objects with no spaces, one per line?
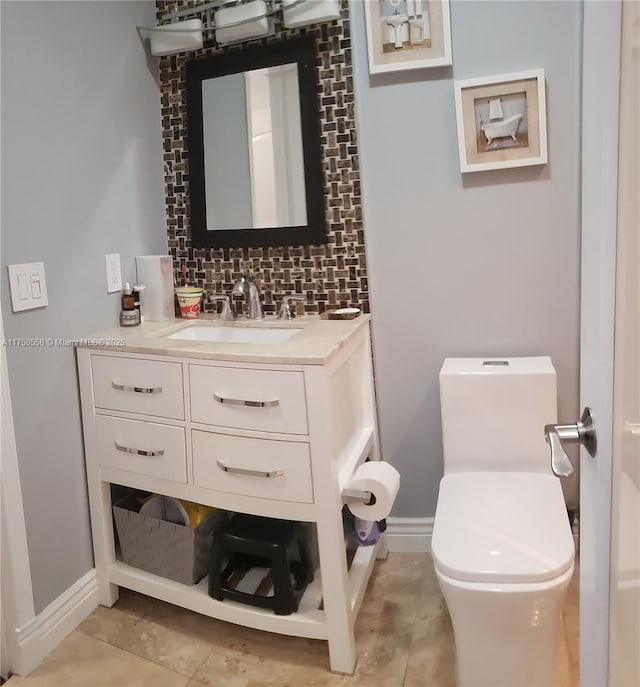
{"x":253,"y":473}
{"x":241,"y":402}
{"x":137,"y":451}
{"x":138,"y":389}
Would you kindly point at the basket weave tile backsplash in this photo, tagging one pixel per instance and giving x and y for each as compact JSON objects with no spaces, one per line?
{"x":329,"y":275}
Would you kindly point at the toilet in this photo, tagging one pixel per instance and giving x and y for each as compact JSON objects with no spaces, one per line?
{"x":502,"y":546}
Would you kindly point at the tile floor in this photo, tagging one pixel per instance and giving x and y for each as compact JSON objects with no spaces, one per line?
{"x":403,"y":636}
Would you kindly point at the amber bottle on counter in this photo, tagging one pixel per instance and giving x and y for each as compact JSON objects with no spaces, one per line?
{"x":128,"y":302}
{"x":129,"y":314}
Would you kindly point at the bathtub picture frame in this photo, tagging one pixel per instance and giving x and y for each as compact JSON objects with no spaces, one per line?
{"x":501,"y":121}
{"x":407,"y":34}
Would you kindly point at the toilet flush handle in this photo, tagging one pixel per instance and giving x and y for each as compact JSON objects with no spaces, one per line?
{"x":583,"y":432}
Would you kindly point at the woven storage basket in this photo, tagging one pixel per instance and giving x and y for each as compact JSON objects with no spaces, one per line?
{"x":177,"y":552}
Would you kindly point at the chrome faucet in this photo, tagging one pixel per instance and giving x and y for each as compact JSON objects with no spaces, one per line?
{"x":246,"y":287}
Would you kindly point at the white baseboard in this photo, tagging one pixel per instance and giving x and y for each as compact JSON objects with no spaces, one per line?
{"x":409,"y":535}
{"x":41,"y":635}
{"x":413,"y":535}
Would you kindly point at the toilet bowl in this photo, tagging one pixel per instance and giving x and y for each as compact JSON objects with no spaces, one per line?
{"x":502,"y":546}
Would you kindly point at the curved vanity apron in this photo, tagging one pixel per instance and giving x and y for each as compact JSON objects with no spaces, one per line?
{"x":502,"y":527}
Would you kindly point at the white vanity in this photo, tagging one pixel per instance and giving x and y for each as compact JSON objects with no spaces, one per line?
{"x":273,"y":429}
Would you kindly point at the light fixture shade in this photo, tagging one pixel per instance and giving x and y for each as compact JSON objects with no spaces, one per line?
{"x":309,"y":12}
{"x":252,"y":14}
{"x":178,"y":37}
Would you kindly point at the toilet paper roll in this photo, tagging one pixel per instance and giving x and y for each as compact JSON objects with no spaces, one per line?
{"x":383,"y":481}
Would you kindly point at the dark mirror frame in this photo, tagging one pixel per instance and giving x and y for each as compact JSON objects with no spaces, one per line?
{"x":303,"y":52}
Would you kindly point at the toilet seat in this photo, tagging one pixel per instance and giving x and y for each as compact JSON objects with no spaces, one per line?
{"x":501,"y":527}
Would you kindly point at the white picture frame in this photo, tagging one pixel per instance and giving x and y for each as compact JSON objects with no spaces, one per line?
{"x":419,"y":38}
{"x":501,"y":121}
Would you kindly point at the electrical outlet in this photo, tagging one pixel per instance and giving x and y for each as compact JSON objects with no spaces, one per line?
{"x":114,"y":277}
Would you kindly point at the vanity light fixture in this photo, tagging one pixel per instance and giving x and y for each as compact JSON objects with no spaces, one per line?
{"x":296,"y":13}
{"x":233,"y":21}
{"x":177,"y":37}
{"x":242,"y":22}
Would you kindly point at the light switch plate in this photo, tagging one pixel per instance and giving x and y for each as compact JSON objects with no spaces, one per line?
{"x":28,"y":286}
{"x":114,"y":276}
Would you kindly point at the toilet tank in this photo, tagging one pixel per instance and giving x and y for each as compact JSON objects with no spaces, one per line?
{"x":494,"y":411}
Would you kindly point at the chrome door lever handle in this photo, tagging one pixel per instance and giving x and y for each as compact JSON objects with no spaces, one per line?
{"x":583,"y":432}
{"x":560,"y":463}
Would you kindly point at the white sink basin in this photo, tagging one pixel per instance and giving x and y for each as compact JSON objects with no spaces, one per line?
{"x":254,"y":335}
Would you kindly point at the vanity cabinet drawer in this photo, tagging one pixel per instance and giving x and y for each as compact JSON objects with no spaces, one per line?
{"x":262,"y":400}
{"x":276,"y":470}
{"x":146,"y":448}
{"x":138,"y":386}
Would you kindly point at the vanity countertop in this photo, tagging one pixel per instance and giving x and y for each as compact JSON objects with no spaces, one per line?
{"x":318,"y":341}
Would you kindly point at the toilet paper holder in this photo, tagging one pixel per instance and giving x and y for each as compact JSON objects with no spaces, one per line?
{"x":357,"y":496}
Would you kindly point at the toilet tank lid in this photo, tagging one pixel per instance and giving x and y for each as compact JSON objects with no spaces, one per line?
{"x":524,"y":365}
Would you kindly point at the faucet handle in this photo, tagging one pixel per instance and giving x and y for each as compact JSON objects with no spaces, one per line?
{"x":226,"y":313}
{"x":286,"y":313}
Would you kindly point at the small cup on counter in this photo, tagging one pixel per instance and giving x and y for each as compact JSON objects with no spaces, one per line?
{"x":189,"y":299}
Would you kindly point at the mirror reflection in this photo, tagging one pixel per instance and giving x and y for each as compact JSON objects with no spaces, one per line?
{"x":254,"y":147}
{"x":253,"y":156}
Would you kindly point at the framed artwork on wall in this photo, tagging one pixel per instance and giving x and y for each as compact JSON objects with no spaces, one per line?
{"x":407,"y":34}
{"x":502,"y":121}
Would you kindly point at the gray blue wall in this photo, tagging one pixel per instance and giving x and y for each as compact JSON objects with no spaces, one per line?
{"x":81,"y":177}
{"x":481,"y":264}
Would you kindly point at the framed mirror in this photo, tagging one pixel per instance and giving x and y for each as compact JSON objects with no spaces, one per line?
{"x":255,"y":162}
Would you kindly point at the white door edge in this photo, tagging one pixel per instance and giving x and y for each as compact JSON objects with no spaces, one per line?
{"x":600,"y":103}
{"x":16,"y":605}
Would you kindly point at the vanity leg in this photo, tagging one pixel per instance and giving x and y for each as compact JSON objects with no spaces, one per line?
{"x":369,"y":400}
{"x":382,"y":550}
{"x":104,"y":552}
{"x":104,"y":544}
{"x":108,"y":593}
{"x":335,"y":594}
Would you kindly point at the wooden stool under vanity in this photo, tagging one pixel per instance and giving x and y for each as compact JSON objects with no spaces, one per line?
{"x":274,"y":430}
{"x":248,"y":542}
